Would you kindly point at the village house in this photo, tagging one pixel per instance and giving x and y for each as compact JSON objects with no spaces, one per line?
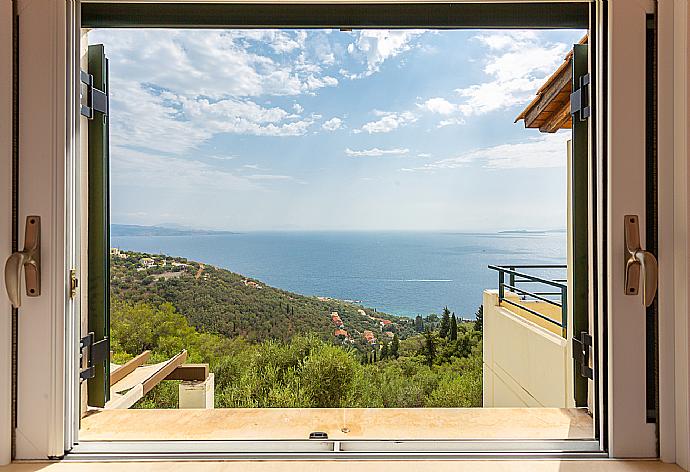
{"x":247,"y":283}
{"x":335,"y":317}
{"x":147,"y":262}
{"x":369,"y":336}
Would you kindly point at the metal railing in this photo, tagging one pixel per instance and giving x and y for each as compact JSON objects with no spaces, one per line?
{"x":516,"y":276}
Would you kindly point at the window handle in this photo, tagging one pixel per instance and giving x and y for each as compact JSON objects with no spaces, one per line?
{"x":638,"y":260}
{"x":30,"y":260}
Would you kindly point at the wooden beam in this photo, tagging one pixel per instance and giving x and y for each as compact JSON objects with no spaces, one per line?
{"x":563,"y":81}
{"x":559,"y":119}
{"x":189,"y":372}
{"x":128,"y":367}
{"x":122,"y":402}
{"x":160,"y":375}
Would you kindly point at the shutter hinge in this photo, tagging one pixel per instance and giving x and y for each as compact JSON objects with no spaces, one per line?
{"x":581,"y":348}
{"x":579,"y":99}
{"x":96,"y":100}
{"x":98,"y":351}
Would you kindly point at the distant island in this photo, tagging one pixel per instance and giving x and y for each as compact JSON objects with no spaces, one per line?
{"x":528,"y":231}
{"x":138,"y":230}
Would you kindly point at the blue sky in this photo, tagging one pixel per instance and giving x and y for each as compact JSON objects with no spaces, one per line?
{"x":331,"y":130}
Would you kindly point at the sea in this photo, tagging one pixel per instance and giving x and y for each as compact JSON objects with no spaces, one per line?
{"x":400,"y":273}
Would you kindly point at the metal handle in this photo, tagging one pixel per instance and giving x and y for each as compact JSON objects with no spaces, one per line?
{"x":638,"y":260}
{"x":30,"y":260}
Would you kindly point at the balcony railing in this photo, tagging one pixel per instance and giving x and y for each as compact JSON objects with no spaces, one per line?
{"x":557,"y":297}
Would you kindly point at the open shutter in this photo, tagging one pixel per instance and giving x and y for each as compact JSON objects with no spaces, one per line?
{"x":96,"y":342}
{"x":581,"y":111}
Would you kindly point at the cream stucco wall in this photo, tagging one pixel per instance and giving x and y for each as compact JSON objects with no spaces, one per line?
{"x":525,"y":365}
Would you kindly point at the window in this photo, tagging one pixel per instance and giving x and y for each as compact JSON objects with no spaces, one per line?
{"x":86,"y":16}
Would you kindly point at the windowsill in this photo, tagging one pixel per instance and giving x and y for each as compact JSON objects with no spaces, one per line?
{"x":338,"y":423}
{"x":498,"y":465}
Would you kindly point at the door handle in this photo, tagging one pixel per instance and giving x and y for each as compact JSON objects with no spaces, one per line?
{"x":30,"y":260}
{"x":638,"y":261}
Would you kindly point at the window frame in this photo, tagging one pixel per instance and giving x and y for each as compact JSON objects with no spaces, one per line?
{"x":62,"y":28}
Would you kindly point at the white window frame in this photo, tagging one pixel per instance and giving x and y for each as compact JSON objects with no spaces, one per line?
{"x":49,"y":150}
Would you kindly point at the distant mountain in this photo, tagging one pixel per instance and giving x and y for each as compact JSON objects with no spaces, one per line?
{"x":137,"y":230}
{"x":528,"y":231}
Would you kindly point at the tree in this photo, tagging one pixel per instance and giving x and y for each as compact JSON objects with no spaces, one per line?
{"x":453,"y":328}
{"x":419,"y":324}
{"x":445,"y":323}
{"x":395,"y":345}
{"x":429,"y":347}
{"x":479,"y":319}
{"x":384,"y":351}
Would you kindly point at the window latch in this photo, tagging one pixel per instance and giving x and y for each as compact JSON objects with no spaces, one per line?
{"x":30,"y":260}
{"x":638,"y":261}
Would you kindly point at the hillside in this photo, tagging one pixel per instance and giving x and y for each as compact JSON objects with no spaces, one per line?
{"x":219,"y":301}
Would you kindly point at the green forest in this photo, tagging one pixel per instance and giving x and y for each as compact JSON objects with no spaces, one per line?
{"x":269,"y":348}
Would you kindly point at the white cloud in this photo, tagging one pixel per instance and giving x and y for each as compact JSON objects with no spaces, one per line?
{"x":239,"y":116}
{"x":424,"y":154}
{"x":211,"y":63}
{"x":170,"y":123}
{"x":139,"y":118}
{"x":154,"y":171}
{"x":439,"y":105}
{"x":376,"y":46}
{"x":388,"y":121}
{"x":548,"y":150}
{"x":376,"y":152}
{"x":332,"y":124}
{"x":518,"y":64}
{"x":269,"y":177}
{"x":450,"y":122}
{"x":298,"y":108}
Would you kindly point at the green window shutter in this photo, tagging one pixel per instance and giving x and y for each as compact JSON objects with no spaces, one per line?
{"x":98,"y":229}
{"x":580,"y":110}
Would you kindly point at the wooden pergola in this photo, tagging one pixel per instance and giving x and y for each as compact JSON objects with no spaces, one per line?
{"x":550,"y":109}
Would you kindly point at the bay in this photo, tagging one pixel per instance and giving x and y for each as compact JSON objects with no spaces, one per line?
{"x":402,"y":273}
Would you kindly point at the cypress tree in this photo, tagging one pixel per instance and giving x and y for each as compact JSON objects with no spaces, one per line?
{"x":445,"y":323}
{"x":419,"y":324}
{"x":395,"y":345}
{"x":453,"y":328}
{"x":479,"y":319}
{"x":429,"y":347}
{"x":384,"y":351}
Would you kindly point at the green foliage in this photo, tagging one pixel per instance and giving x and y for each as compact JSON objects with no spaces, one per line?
{"x":445,"y":323}
{"x":453,"y":328}
{"x":479,"y":319}
{"x":429,"y":347}
{"x":215,"y":300}
{"x":395,"y":346}
{"x":303,"y":372}
{"x":269,"y":348}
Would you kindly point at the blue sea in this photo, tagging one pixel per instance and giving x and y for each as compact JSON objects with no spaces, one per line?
{"x":402,"y":273}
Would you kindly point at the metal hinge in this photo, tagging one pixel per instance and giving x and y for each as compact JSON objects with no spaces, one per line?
{"x":98,"y":352}
{"x":96,"y":100}
{"x":581,"y":348}
{"x":579,"y":99}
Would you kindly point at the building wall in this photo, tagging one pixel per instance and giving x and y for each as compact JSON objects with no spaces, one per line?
{"x":525,"y":365}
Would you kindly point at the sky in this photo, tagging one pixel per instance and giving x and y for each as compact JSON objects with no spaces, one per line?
{"x":247,"y":130}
